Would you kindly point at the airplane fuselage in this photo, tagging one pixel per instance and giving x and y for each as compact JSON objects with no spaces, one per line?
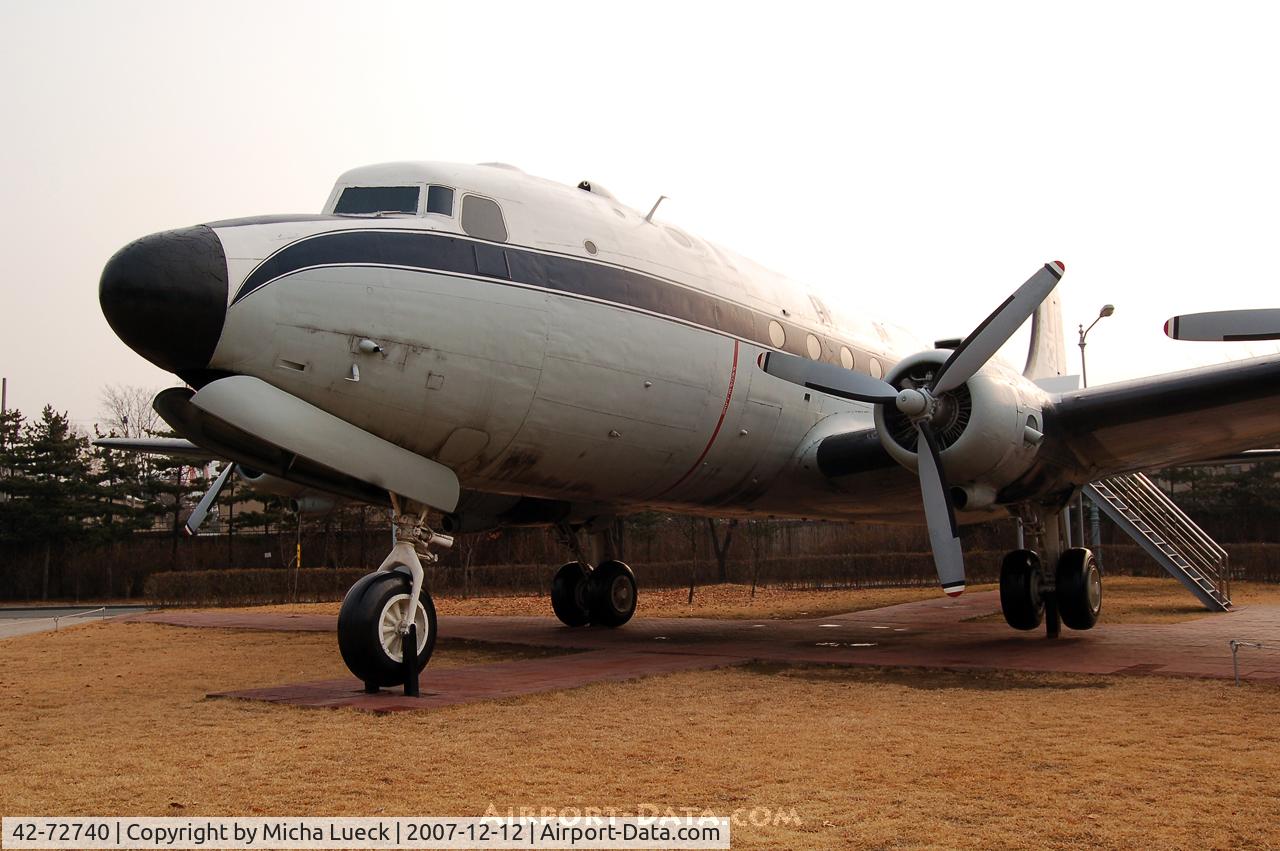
{"x":546,"y":341}
{"x":592,"y":357}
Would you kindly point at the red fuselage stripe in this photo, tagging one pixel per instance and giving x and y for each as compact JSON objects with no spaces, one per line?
{"x":724,"y":411}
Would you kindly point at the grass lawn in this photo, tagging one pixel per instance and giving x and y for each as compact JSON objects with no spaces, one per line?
{"x":112,"y":719}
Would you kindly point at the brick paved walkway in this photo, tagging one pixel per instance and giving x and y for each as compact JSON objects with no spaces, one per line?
{"x":930,"y":634}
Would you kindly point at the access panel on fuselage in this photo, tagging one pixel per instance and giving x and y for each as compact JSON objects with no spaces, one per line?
{"x":456,"y":353}
{"x":625,"y":404}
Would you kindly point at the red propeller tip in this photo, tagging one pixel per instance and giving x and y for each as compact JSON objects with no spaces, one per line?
{"x":1168,"y":327}
{"x":954,"y":592}
{"x":1062,"y":267}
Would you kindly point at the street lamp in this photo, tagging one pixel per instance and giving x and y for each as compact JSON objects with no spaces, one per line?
{"x":1107,"y":310}
{"x":1095,"y":524}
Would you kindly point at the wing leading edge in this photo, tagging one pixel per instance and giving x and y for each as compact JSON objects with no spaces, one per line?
{"x":1167,"y":419}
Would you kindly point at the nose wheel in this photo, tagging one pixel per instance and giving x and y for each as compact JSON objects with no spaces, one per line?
{"x":371,"y":634}
{"x":387,"y":606}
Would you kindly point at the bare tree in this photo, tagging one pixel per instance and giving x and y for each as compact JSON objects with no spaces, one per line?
{"x":690,"y":527}
{"x":126,"y":410}
{"x":721,"y":546}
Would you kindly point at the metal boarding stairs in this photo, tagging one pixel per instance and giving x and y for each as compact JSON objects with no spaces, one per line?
{"x":1154,"y":521}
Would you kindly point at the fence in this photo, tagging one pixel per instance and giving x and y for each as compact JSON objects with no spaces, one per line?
{"x":663,"y":553}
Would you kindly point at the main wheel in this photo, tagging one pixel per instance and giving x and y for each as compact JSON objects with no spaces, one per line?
{"x":611,"y":594}
{"x":368,"y":627}
{"x":1079,"y":588}
{"x":569,"y":594}
{"x":1020,"y":598}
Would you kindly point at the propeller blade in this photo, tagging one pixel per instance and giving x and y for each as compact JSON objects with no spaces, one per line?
{"x":939,"y":514}
{"x":829,"y":378}
{"x":985,"y":340}
{"x":196,"y":520}
{"x":1226,"y":325}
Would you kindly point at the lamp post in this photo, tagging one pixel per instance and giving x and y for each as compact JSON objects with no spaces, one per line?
{"x":1107,"y":310}
{"x":1095,"y":525}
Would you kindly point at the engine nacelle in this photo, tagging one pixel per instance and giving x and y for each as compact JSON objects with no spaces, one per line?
{"x":988,"y":429}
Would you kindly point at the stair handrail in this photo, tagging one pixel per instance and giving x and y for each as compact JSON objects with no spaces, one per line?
{"x":1180,"y":530}
{"x":1173,"y":508}
{"x":1192,"y":543}
{"x":1165,"y":518}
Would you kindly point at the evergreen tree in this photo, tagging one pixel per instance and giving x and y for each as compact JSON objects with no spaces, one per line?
{"x":52,"y":495}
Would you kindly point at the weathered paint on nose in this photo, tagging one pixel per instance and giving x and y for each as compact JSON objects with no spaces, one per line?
{"x":165,"y":296}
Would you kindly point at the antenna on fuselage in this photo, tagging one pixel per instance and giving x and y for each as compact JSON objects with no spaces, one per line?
{"x":654,"y":208}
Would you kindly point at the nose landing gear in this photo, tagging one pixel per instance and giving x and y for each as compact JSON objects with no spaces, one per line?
{"x":376,"y":615}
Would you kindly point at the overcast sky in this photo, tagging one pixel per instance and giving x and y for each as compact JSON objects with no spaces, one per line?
{"x":917,"y":161}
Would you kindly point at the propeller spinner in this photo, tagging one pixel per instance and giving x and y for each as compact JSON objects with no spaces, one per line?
{"x":921,"y":406}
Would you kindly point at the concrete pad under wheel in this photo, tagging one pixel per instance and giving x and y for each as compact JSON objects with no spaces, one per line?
{"x":928,"y":634}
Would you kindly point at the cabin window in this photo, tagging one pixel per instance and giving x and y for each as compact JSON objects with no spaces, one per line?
{"x":482,"y":218}
{"x":777,"y":336}
{"x":440,"y":200}
{"x":846,"y":357}
{"x":877,"y":370}
{"x":814,"y":347}
{"x":368,"y":200}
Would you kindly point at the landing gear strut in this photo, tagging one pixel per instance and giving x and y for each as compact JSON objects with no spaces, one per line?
{"x":1032,"y":592}
{"x":377,"y":612}
{"x":580,"y":594}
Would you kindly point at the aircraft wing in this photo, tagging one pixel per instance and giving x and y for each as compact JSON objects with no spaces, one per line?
{"x":172,"y":446}
{"x":1166,"y":419}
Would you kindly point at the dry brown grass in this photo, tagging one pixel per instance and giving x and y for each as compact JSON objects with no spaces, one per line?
{"x":111,"y":718}
{"x":710,"y":601}
{"x":1127,"y":599}
{"x":1134,"y":599}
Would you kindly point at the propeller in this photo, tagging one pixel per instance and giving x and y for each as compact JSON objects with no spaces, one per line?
{"x":1226,"y":325}
{"x":920,"y":404}
{"x":196,"y":520}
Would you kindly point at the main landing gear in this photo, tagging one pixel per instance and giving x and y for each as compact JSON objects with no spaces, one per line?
{"x":1031,"y":593}
{"x":580,"y":594}
{"x":376,"y":615}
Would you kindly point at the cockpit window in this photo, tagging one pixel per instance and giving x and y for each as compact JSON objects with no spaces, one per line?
{"x":368,"y":200}
{"x":482,"y":218}
{"x":440,"y":200}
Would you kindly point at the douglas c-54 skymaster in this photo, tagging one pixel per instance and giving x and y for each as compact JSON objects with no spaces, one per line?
{"x":509,"y":351}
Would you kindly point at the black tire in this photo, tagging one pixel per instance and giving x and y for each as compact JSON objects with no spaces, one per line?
{"x":569,"y":594}
{"x":360,"y":628}
{"x":1079,"y":591}
{"x":611,"y":594}
{"x":1020,"y":598}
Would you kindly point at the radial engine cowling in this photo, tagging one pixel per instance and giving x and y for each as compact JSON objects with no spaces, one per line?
{"x":988,"y":428}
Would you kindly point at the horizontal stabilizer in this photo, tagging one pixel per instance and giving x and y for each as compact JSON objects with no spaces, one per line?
{"x":1226,"y":325}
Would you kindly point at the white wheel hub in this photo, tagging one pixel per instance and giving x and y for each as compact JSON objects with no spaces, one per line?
{"x":1093,"y":587}
{"x":393,"y":615}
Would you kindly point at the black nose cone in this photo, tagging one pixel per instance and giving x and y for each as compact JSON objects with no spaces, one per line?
{"x":165,"y":295}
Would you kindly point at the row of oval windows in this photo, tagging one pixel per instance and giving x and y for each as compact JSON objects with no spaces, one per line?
{"x":813,"y":346}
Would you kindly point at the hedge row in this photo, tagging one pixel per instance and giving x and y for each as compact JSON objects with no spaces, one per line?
{"x":242,"y":587}
{"x":275,"y":585}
